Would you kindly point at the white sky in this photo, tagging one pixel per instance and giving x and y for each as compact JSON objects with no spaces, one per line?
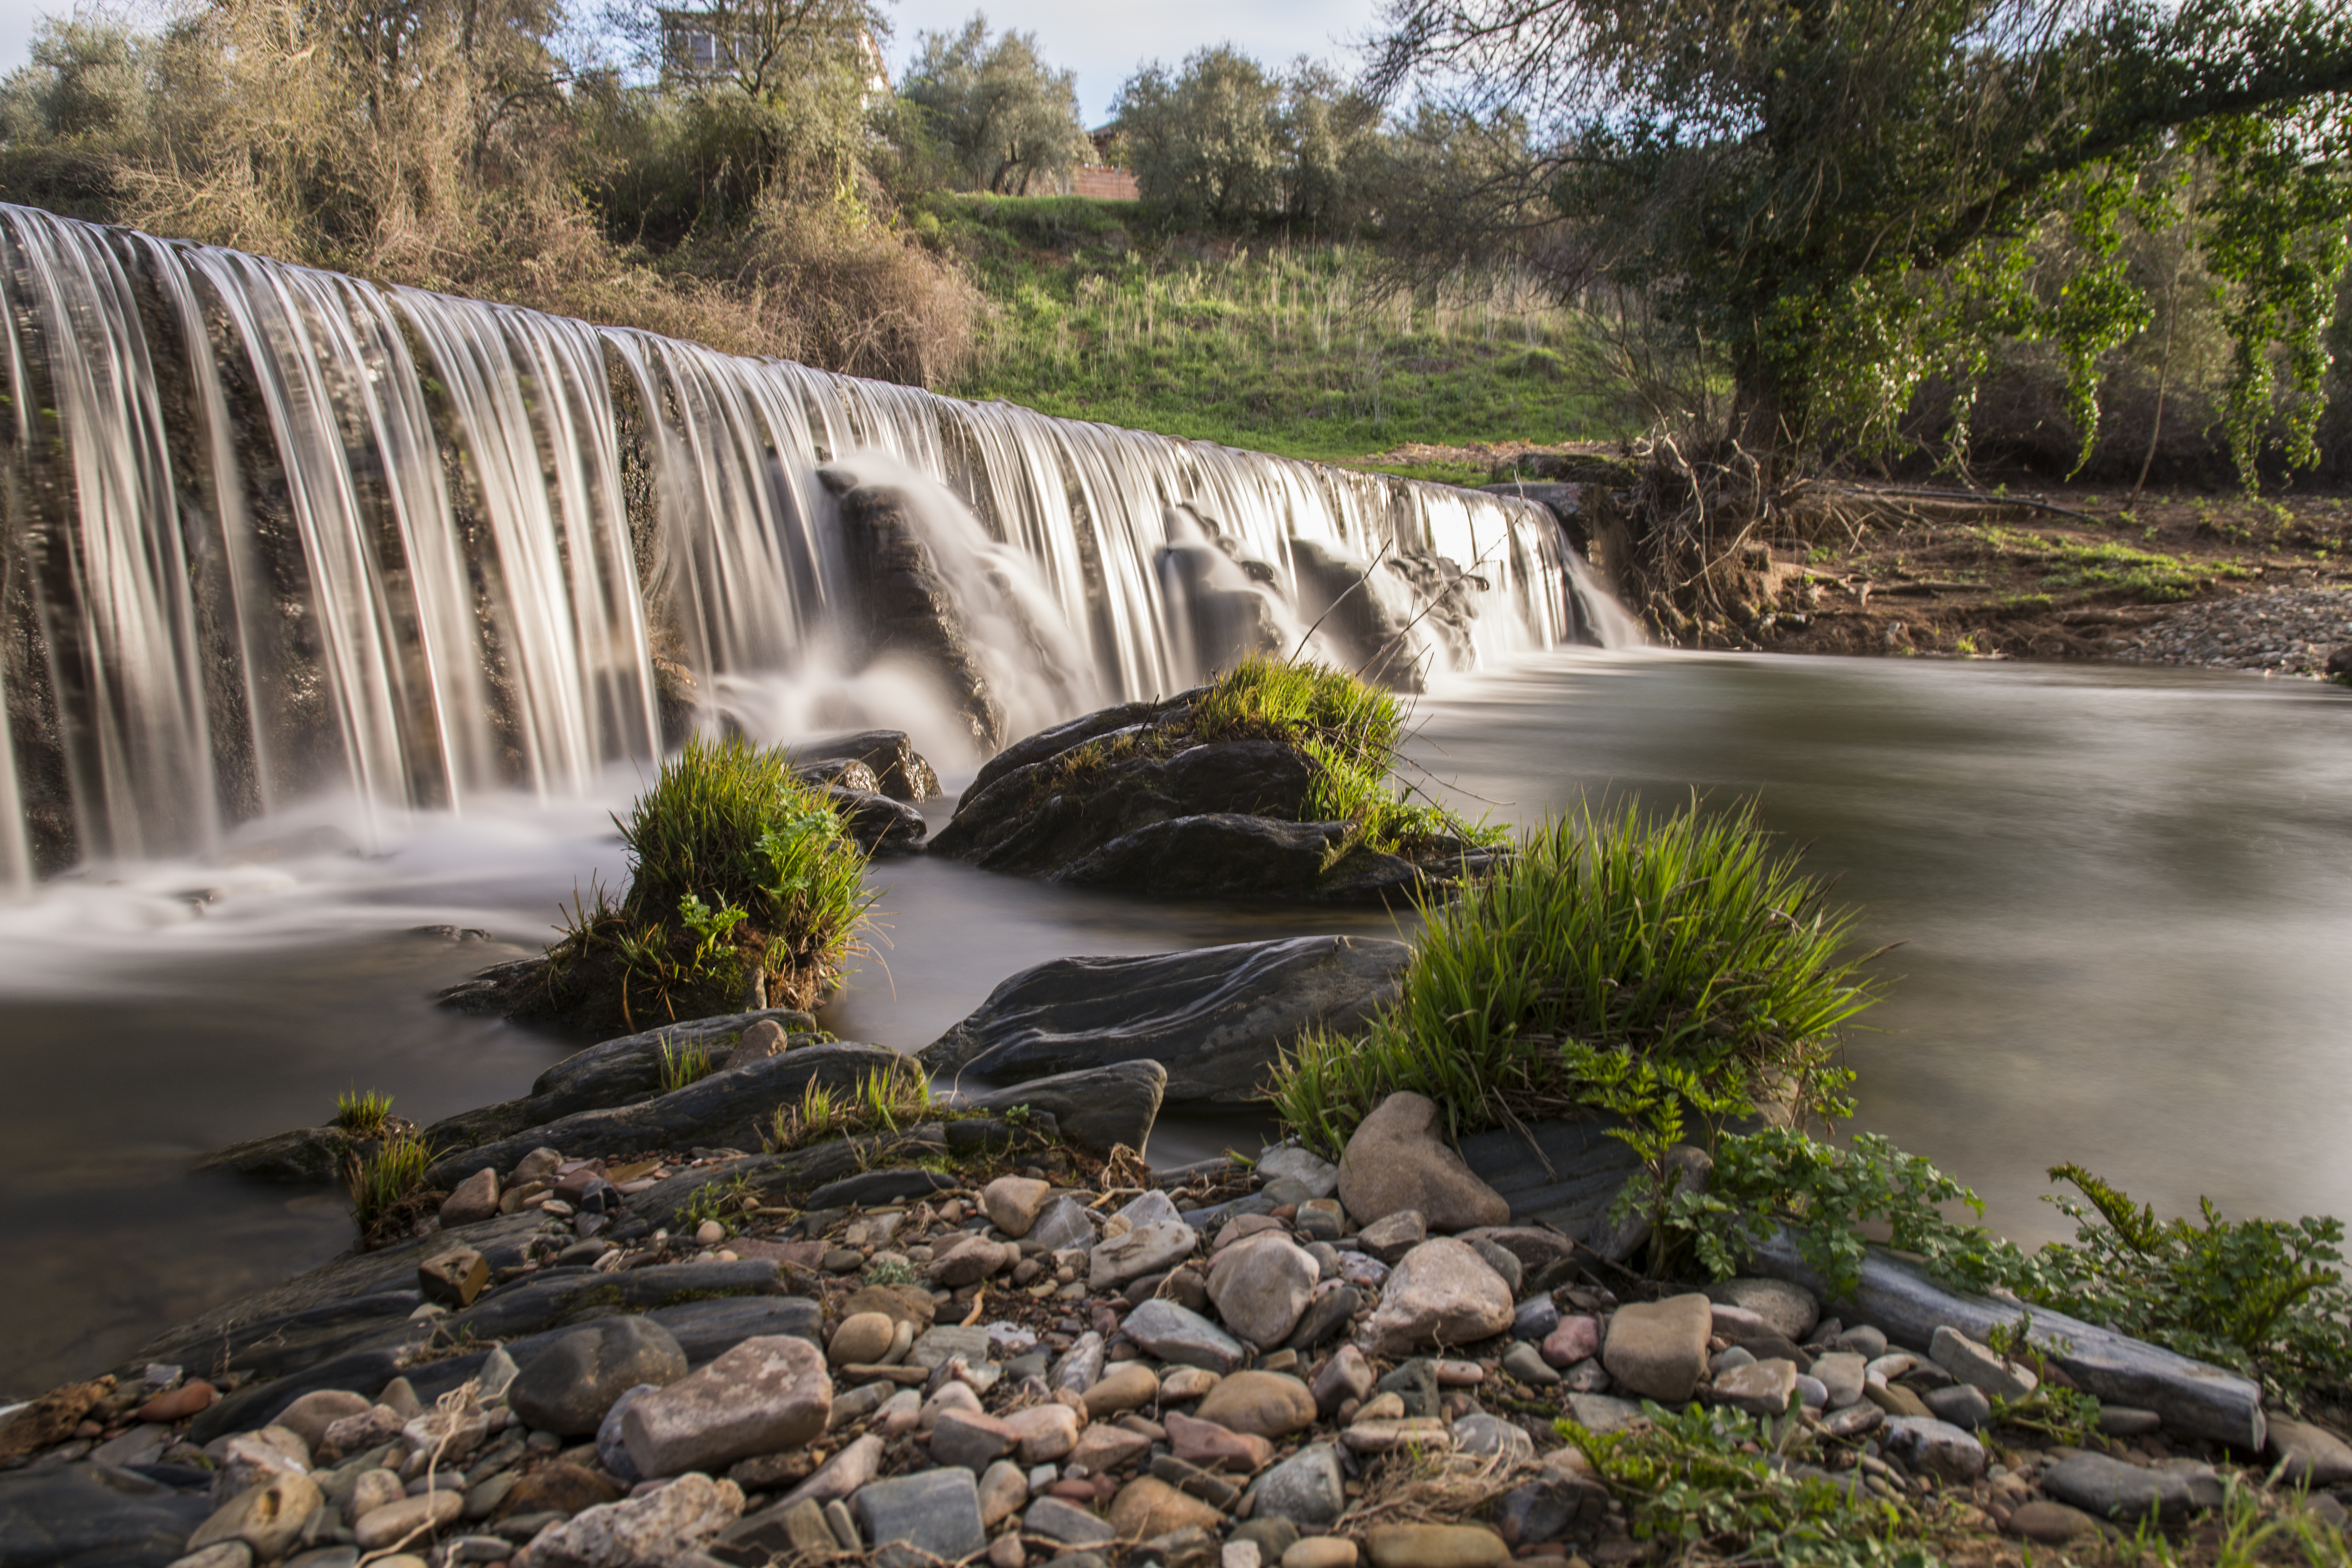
{"x":1103,"y":43}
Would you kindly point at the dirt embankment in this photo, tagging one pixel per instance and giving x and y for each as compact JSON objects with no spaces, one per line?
{"x":2220,"y":580}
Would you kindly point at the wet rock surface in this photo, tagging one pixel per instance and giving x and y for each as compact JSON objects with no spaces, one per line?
{"x":1035,"y":1348}
{"x":1216,"y":1016}
{"x":1126,"y":799}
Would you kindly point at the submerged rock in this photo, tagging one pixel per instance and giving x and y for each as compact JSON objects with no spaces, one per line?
{"x":1217,"y":1016}
{"x":306,"y":1156}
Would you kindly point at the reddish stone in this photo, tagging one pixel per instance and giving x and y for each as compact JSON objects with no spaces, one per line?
{"x":1214,"y":1447}
{"x":1576,"y":1339}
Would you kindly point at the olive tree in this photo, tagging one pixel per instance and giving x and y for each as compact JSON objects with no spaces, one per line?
{"x":1223,"y":142}
{"x":1005,"y":118}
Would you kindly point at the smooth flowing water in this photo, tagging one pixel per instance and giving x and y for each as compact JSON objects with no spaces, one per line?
{"x":268,"y":532}
{"x":2124,"y":897}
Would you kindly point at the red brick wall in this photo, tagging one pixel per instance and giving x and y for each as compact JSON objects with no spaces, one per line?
{"x":1107,"y":184}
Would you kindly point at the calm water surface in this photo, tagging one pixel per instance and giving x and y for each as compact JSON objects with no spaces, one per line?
{"x":2126,"y":898}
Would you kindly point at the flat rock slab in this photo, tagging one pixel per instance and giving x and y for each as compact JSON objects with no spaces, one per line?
{"x":727,"y":1109}
{"x":2114,"y":1489}
{"x":1567,"y":1180}
{"x":2195,"y":1400}
{"x":1100,"y":1108}
{"x":1216,"y":1016}
{"x":605,"y":1074}
{"x":530,"y":1305}
{"x":932,"y":1514}
{"x":67,"y":1513}
{"x":318,"y":1315}
{"x":885,"y":1157}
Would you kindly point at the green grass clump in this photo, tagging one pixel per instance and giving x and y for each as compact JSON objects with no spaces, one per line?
{"x":2150,"y":576}
{"x":385,"y":1185}
{"x":891,"y":1099}
{"x":737,"y":868}
{"x":684,"y":1066}
{"x":362,"y":1115}
{"x":1684,"y":940}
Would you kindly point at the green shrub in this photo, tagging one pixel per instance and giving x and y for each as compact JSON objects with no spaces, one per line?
{"x":738,"y":869}
{"x":2266,"y":1298}
{"x":1684,"y":938}
{"x":1824,"y":1195}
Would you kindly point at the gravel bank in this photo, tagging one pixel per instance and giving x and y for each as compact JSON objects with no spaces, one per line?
{"x":2287,"y":630}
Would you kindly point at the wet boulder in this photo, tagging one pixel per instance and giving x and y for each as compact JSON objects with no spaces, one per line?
{"x":897,"y":769}
{"x":1216,"y":1017}
{"x":1133,"y":799}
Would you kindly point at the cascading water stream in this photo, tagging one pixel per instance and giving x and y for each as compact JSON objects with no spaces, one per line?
{"x":272,"y":530}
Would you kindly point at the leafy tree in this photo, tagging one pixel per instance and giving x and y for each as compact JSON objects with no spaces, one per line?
{"x":1005,"y":119}
{"x":1206,"y":142}
{"x":1845,"y":199}
{"x":1226,"y":142}
{"x":758,"y":100}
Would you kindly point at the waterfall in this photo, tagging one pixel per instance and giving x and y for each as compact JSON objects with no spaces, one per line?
{"x":270,"y":531}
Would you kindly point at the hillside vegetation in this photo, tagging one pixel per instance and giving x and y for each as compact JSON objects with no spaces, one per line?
{"x":1288,"y":345}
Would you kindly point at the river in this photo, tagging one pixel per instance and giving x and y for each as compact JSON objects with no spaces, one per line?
{"x":2124,"y":897}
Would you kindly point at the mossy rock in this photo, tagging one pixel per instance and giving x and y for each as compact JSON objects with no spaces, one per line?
{"x":1269,"y":784}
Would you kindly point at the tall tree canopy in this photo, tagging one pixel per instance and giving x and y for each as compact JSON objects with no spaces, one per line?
{"x":1224,"y":140}
{"x":1846,"y":196}
{"x":1005,"y":119}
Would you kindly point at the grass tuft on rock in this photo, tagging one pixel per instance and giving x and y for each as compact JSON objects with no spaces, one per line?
{"x":739,"y":872}
{"x":1346,"y":728}
{"x":891,"y":1099}
{"x":362,"y":1115}
{"x":1685,"y":939}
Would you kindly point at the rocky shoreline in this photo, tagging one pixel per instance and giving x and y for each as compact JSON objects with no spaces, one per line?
{"x":622,"y":1338}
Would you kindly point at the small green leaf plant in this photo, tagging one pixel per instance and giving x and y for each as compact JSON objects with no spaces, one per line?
{"x":1824,"y":1193}
{"x":2264,"y":1297}
{"x":1650,"y":1094}
{"x":1715,"y":1485}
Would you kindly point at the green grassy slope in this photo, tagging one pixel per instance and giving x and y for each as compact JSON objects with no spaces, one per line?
{"x":1279,"y":348}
